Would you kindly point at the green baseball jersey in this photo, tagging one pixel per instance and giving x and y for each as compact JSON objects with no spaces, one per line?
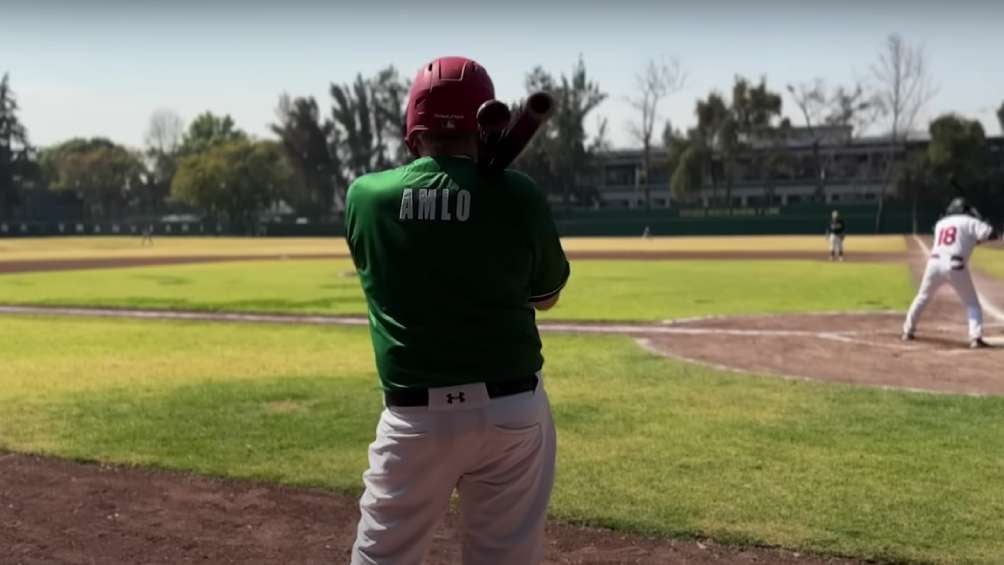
{"x":451,"y":260}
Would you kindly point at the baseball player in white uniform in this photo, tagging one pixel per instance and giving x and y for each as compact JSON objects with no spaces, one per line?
{"x":955,"y":237}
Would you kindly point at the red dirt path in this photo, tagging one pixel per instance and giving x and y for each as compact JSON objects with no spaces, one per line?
{"x":57,"y":511}
{"x":861,"y":349}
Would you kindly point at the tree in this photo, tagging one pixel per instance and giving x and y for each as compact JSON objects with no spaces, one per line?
{"x":233,"y":181}
{"x":904,"y":88}
{"x":360,"y":130}
{"x":850,"y":108}
{"x":17,"y":165}
{"x":775,"y":157}
{"x":753,"y":111}
{"x":855,"y":108}
{"x":163,"y":140}
{"x":561,"y":154}
{"x":725,"y":131}
{"x":208,"y":130}
{"x":304,"y":138}
{"x":103,"y":174}
{"x":165,"y":131}
{"x":686,"y":160}
{"x":653,"y":83}
{"x":1000,"y":116}
{"x":957,"y":162}
{"x":714,"y":134}
{"x":368,"y":117}
{"x":390,"y":96}
{"x":958,"y":151}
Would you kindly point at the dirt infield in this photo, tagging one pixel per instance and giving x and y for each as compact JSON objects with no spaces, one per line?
{"x":40,"y":265}
{"x":860,"y":349}
{"x":57,"y":511}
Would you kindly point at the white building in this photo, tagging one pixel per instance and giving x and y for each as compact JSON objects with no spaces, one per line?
{"x":778,"y":171}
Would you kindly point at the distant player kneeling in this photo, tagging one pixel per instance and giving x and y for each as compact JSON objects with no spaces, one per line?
{"x":835,"y":232}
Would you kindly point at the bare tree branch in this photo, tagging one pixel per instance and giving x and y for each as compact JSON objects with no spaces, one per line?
{"x":904,"y":85}
{"x":653,"y":83}
{"x":904,"y":88}
{"x":163,"y":135}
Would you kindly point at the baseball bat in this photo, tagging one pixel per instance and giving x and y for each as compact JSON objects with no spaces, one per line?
{"x":493,"y":117}
{"x":501,"y":149}
{"x":970,"y":209}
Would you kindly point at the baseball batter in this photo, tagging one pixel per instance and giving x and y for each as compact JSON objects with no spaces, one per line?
{"x":453,"y":261}
{"x":835,"y":231}
{"x":955,"y":237}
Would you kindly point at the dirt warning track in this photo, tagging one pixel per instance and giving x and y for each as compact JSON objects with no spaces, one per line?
{"x":57,"y":511}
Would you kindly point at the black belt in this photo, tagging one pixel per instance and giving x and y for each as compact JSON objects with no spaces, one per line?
{"x":420,"y":396}
{"x":957,"y":261}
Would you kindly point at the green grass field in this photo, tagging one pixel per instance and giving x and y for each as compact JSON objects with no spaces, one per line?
{"x":990,"y":260}
{"x":814,"y":243}
{"x":15,"y":249}
{"x":598,"y":290}
{"x":646,"y":444}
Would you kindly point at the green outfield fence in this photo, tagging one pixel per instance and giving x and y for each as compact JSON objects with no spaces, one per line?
{"x":793,"y":219}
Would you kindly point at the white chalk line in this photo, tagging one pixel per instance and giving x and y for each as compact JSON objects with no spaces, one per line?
{"x":845,"y":338}
{"x":576,"y":327}
{"x":851,"y":337}
{"x":857,"y":337}
{"x":647,"y":345}
{"x":988,"y":306}
{"x":183,"y":315}
{"x":629,"y":329}
{"x":822,"y":313}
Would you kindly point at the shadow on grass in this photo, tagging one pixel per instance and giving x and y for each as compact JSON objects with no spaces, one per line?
{"x":304,"y":430}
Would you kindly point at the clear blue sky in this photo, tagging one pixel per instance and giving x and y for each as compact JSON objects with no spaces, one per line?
{"x":87,"y":68}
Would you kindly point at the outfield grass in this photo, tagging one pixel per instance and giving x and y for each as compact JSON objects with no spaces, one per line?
{"x":645,"y":444}
{"x":990,"y":260}
{"x":658,"y":290}
{"x":598,"y":290}
{"x":814,"y":243}
{"x":20,"y":249}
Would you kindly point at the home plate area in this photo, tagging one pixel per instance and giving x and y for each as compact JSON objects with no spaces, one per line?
{"x":854,"y":348}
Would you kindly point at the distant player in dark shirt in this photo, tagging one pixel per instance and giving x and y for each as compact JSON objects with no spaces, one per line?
{"x":147,"y":235}
{"x":835,"y":232}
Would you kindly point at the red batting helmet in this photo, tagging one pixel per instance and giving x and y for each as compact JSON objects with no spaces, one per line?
{"x":445,"y":97}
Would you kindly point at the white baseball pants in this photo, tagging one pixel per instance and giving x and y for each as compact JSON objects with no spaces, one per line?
{"x":499,"y":454}
{"x":939,"y":271}
{"x":836,"y":245}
